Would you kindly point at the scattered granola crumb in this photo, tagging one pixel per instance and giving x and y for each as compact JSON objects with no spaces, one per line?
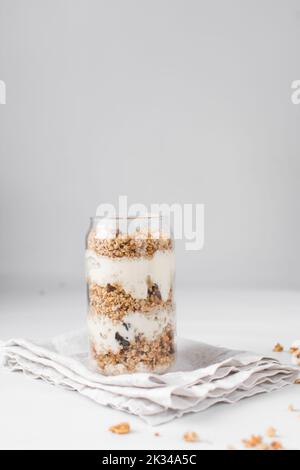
{"x":293,"y":350}
{"x":271,"y":432}
{"x":296,"y":358}
{"x":122,"y":428}
{"x":295,"y":346}
{"x":278,"y":347}
{"x":276,"y":445}
{"x":291,"y":408}
{"x":256,"y":442}
{"x":253,"y":441}
{"x":191,"y":436}
{"x":156,"y":434}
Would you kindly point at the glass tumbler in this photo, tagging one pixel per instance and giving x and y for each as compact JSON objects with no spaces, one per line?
{"x":130,"y":268}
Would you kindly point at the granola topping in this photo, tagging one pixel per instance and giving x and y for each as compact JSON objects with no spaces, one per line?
{"x":133,"y":245}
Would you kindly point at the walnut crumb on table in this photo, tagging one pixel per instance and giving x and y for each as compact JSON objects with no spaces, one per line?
{"x":278,"y":347}
{"x":276,"y":445}
{"x":293,"y":350}
{"x":296,"y":358}
{"x":256,"y":442}
{"x":191,"y":436}
{"x":122,"y":428}
{"x":253,"y":441}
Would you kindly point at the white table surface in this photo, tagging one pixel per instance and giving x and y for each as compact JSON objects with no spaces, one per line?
{"x":36,"y":415}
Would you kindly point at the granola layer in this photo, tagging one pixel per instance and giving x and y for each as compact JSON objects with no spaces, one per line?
{"x":139,"y":355}
{"x":113,"y":301}
{"x":131,"y":246}
{"x":110,"y":335}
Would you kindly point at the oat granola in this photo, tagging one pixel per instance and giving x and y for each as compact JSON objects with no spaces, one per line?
{"x":113,"y":301}
{"x":129,"y":246}
{"x":150,"y":354}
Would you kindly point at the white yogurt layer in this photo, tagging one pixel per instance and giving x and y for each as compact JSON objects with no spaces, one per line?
{"x":132,"y":273}
{"x":102,"y":330}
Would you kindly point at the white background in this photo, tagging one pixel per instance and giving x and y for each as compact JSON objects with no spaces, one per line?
{"x":164,"y":101}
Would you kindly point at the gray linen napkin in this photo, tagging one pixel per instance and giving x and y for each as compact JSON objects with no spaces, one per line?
{"x":202,"y":376}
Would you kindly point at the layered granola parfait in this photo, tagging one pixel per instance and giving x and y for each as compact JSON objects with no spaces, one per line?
{"x":131,"y":311}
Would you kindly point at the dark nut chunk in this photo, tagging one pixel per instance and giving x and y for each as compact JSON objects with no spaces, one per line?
{"x":124,"y":343}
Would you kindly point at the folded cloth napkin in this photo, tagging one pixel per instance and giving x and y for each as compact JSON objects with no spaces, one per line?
{"x":202,"y":376}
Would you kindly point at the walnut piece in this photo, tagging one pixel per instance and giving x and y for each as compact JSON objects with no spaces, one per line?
{"x":276,"y":445}
{"x":122,"y":428}
{"x":278,"y":347}
{"x":191,"y":436}
{"x":253,"y":441}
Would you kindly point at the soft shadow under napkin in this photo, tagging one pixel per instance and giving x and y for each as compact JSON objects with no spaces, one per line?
{"x":202,"y":376}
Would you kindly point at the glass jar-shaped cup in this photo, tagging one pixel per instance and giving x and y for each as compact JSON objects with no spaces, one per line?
{"x":131,"y":312}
